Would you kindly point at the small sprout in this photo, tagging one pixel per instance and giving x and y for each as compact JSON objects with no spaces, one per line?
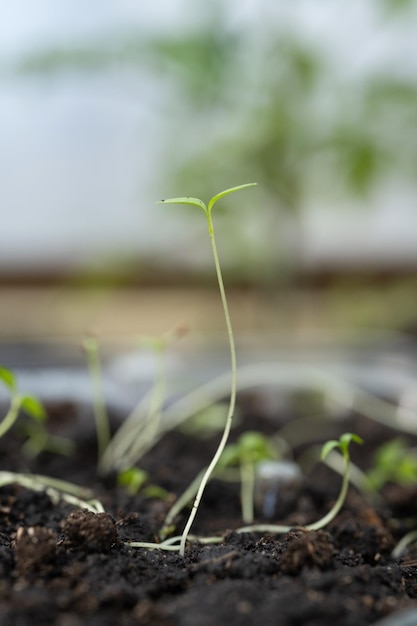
{"x":34,"y":408}
{"x":142,"y":428}
{"x":393,"y":461}
{"x":250,"y":449}
{"x":132,"y":479}
{"x":207,"y":209}
{"x":31,"y":405}
{"x":342,"y":444}
{"x":92,"y":351}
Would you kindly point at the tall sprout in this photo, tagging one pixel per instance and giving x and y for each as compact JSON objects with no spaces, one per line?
{"x":207,"y":209}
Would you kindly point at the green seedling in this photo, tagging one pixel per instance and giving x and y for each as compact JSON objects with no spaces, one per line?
{"x":341,"y":445}
{"x":29,"y":404}
{"x":393,"y":461}
{"x":134,"y":480}
{"x":91,"y":348}
{"x":141,"y":429}
{"x":251,"y":448}
{"x":207,"y":209}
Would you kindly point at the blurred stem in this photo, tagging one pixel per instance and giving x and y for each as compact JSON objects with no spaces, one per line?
{"x":100,"y":413}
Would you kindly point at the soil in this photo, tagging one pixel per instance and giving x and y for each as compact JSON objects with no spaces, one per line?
{"x":70,"y":567}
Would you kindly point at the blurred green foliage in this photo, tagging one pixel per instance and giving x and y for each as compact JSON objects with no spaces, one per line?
{"x":266,"y":106}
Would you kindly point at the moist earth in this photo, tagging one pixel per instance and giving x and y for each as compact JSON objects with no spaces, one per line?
{"x":66,"y":566}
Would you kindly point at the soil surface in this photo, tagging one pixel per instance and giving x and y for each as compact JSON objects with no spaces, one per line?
{"x":70,"y":567}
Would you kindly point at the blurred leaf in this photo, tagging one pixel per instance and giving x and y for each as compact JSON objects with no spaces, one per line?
{"x":201,"y":61}
{"x":8,"y":378}
{"x":398,"y":6}
{"x":34,"y":408}
{"x":132,"y":479}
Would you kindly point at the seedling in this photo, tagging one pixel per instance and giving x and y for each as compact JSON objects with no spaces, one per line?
{"x":251,"y":448}
{"x":39,"y":440}
{"x":27,"y":403}
{"x":207,"y":209}
{"x":141,"y":429}
{"x":342,"y":445}
{"x":91,"y":348}
{"x":134,"y":480}
{"x":393,"y":461}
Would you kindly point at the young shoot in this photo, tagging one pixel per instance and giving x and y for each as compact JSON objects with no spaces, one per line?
{"x":29,"y":404}
{"x":250,"y":449}
{"x":91,"y":348}
{"x":207,"y":209}
{"x":341,"y":445}
{"x":142,"y":427}
{"x":393,"y":461}
{"x":134,"y":479}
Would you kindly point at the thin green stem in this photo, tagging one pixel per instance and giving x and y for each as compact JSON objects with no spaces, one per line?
{"x":323,"y":521}
{"x":100,"y":412}
{"x":11,"y":415}
{"x":247,"y":486}
{"x":232,"y":402}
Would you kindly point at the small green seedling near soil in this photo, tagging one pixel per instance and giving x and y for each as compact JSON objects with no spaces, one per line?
{"x":91,"y":348}
{"x":250,"y":449}
{"x":29,"y":404}
{"x":39,"y":439}
{"x":134,"y":479}
{"x":141,"y":429}
{"x":207,"y":209}
{"x":394,"y":461}
{"x":342,"y":445}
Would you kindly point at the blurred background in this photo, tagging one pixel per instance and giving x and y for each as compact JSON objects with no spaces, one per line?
{"x":107,"y":107}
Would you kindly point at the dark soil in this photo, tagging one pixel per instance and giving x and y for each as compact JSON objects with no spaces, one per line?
{"x":71,"y":567}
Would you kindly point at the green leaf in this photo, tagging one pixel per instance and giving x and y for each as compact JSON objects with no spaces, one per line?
{"x":8,"y":378}
{"x":34,"y":408}
{"x":185,"y":200}
{"x":132,"y":478}
{"x":226,"y":192}
{"x":328,"y":447}
{"x":343,"y":444}
{"x":347,"y":438}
